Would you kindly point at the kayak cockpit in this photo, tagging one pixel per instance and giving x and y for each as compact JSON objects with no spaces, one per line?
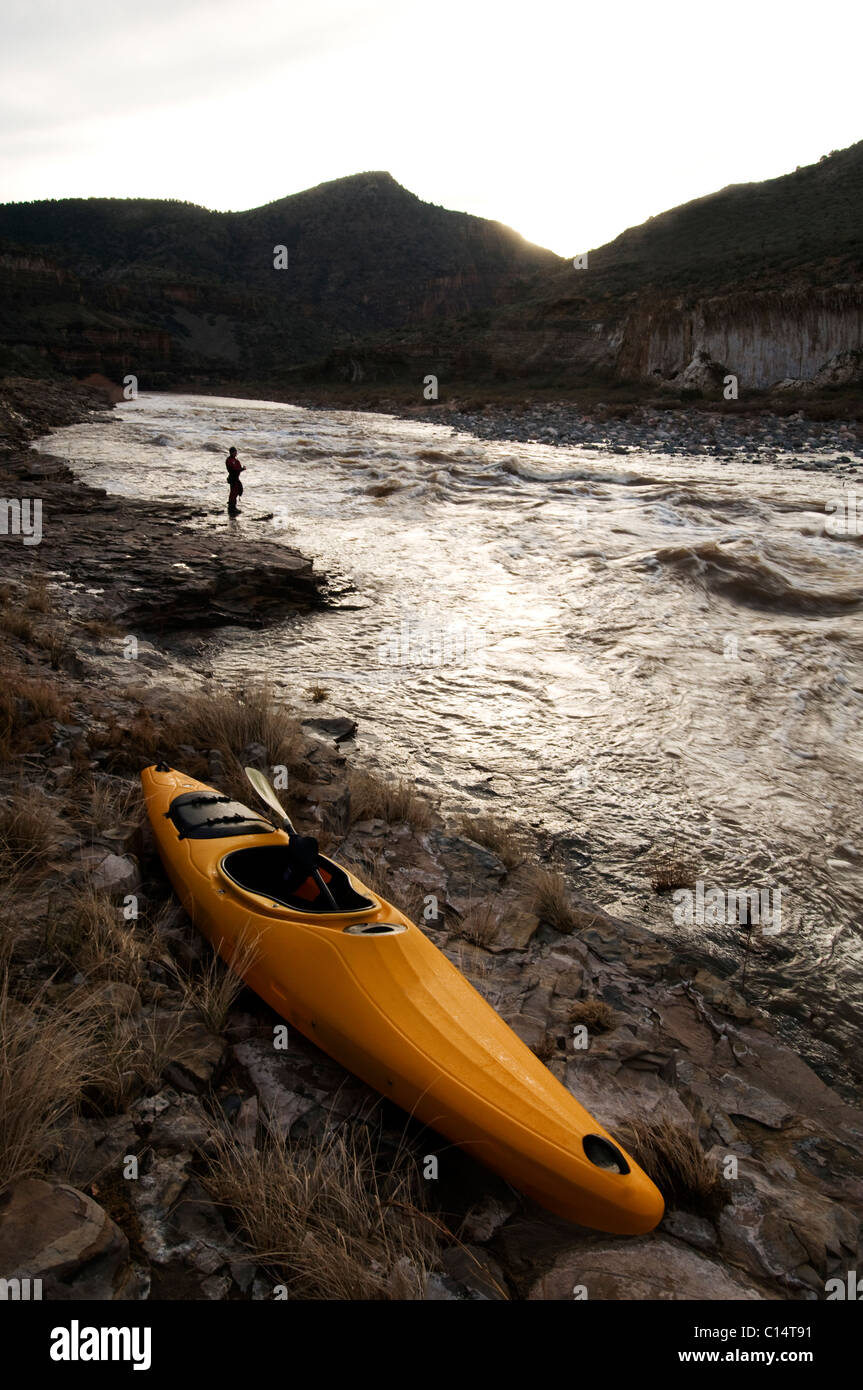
{"x":268,"y":869}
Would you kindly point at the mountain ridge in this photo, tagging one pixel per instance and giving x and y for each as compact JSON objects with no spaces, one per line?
{"x":764,"y":277}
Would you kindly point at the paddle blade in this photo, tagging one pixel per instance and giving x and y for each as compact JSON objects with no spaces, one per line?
{"x":266,"y":792}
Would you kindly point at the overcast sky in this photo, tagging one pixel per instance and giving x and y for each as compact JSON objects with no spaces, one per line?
{"x":568,"y":122}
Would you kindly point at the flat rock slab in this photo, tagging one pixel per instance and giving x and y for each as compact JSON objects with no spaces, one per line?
{"x":204,"y":576}
{"x":300,"y":1083}
{"x":791,"y":1235}
{"x":614,"y":940}
{"x":738,"y":1097}
{"x":472,"y":872}
{"x":639,"y":1270}
{"x":615,"y":1097}
{"x":337,"y":727}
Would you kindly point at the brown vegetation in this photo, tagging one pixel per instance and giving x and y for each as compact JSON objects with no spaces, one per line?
{"x":329,"y":1221}
{"x":500,"y":836}
{"x":674,"y":1158}
{"x":374,"y":797}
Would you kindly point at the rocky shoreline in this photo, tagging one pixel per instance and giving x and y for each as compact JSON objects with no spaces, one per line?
{"x":803,"y":433}
{"x":756,"y":440}
{"x":152,"y":566}
{"x":759,"y":1160}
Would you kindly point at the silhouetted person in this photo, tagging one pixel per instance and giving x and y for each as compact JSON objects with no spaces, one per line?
{"x":235,"y":468}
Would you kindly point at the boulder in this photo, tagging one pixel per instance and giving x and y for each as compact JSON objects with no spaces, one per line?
{"x":57,"y":1234}
{"x":117,"y":875}
{"x":791,"y":1235}
{"x":337,"y":727}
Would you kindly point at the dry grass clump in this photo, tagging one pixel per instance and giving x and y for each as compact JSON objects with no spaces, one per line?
{"x":111,"y":803}
{"x":546,"y":1048}
{"x":101,"y":627}
{"x":130,"y":743}
{"x":17,"y":624}
{"x":229,"y":720}
{"x":317,"y":694}
{"x":37,"y":598}
{"x":551,"y":899}
{"x":54,"y":645}
{"x":131,"y":1047}
{"x":24,"y":702}
{"x":501,"y":837}
{"x":30,"y":828}
{"x":594,"y":1014}
{"x":481,"y":923}
{"x":373,"y":798}
{"x":674,"y":1158}
{"x":669,"y":868}
{"x":46,"y":1061}
{"x":96,"y":937}
{"x":329,"y":1220}
{"x":210,"y":991}
{"x":41,"y":698}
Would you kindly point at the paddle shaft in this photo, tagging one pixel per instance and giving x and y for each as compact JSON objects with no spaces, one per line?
{"x":267,"y":794}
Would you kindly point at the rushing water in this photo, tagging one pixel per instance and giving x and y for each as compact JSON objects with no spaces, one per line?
{"x":627,"y":653}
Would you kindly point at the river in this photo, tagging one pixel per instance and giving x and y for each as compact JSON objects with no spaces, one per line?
{"x":628,"y":654}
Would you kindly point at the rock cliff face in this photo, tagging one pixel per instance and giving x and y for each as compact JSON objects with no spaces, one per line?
{"x":761,"y":337}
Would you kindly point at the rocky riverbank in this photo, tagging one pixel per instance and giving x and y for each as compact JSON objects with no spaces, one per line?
{"x":800,"y":442}
{"x":811,"y":433}
{"x":145,"y":566}
{"x":166,"y":1064}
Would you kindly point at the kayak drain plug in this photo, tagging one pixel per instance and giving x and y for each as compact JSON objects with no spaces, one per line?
{"x":602,"y":1154}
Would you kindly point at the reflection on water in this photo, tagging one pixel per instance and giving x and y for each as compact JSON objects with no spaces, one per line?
{"x":625,"y":653}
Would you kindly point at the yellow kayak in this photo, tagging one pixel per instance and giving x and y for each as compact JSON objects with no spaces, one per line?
{"x":369,"y":988}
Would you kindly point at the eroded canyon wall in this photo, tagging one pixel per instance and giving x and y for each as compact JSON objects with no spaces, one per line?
{"x":762,"y":337}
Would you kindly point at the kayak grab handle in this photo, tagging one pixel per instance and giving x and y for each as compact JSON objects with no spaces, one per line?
{"x":375,"y":929}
